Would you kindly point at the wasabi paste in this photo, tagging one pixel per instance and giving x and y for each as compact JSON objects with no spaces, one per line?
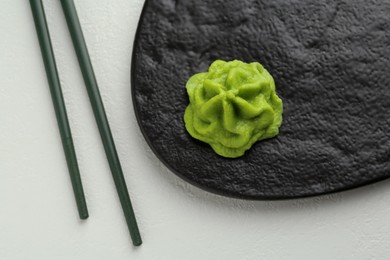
{"x":232,"y":106}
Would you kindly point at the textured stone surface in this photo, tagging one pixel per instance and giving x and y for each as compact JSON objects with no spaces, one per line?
{"x":330,"y":61}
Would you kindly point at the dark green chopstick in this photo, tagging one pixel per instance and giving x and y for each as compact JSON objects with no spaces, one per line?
{"x":59,"y":105}
{"x":101,"y":118}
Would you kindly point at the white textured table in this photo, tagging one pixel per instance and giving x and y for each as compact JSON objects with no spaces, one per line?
{"x":38,"y":216}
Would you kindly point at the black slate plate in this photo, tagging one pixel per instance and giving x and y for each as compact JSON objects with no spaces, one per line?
{"x":330,"y":60}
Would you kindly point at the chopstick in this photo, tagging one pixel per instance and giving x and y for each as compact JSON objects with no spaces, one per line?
{"x":59,"y":105}
{"x":100,"y":117}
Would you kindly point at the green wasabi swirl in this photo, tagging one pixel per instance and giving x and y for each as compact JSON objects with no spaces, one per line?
{"x":232,"y":106}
